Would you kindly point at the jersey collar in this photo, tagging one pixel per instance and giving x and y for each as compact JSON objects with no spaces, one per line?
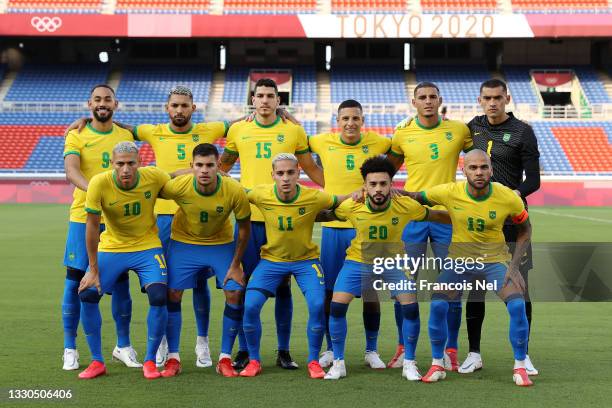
{"x":484,"y":197}
{"x":195,"y":187}
{"x":377,"y":211}
{"x":267,"y":126}
{"x":290,"y":201}
{"x":119,"y":185}
{"x":180,"y":133}
{"x":425,"y":127}
{"x":91,"y":128}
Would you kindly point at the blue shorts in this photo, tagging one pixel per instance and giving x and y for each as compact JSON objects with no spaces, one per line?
{"x":187,"y":262}
{"x":492,"y":273}
{"x":164,"y":225}
{"x":146,"y":264}
{"x":268,"y":275}
{"x":334,"y":243}
{"x":357,"y":277}
{"x":417,"y":234}
{"x":75,"y":254}
{"x":257,"y":239}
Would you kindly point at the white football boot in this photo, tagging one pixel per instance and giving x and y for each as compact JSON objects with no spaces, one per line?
{"x":162,"y":353}
{"x":337,"y":371}
{"x":372,"y":359}
{"x":326,"y":359}
{"x":202,"y":351}
{"x":472,"y":362}
{"x":531,"y":370}
{"x":127,"y":355}
{"x":410,"y":371}
{"x":71,"y":359}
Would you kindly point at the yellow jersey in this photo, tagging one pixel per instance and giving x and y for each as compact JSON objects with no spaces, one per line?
{"x":173,"y":150}
{"x":478,"y":222}
{"x":379,"y":232}
{"x":130,"y":221}
{"x":95,"y":150}
{"x":289,"y":224}
{"x":257,"y":144}
{"x":342,"y":162}
{"x":431,"y":154}
{"x":203,"y":219}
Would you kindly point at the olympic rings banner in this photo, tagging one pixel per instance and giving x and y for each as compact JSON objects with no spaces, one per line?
{"x":309,"y":26}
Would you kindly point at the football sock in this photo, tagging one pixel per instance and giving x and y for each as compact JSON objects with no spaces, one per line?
{"x":157,"y":320}
{"x":92,"y":322}
{"x":453,"y":321}
{"x":232,"y":322}
{"x":337,"y":328}
{"x":201,"y":306}
{"x":173,"y":328}
{"x":283,"y":312}
{"x":371,"y":323}
{"x":438,"y":329}
{"x":71,"y":312}
{"x":327,"y":335}
{"x":474,"y":316}
{"x":242,"y":343}
{"x":251,"y":323}
{"x":316,"y":324}
{"x":121,"y":306}
{"x":399,"y":321}
{"x":518,"y":327}
{"x":528,"y":312}
{"x":411,"y":323}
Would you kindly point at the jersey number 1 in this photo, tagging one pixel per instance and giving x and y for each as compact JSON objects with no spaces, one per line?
{"x":281,"y":224}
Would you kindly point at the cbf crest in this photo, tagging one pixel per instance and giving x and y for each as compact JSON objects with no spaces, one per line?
{"x":302,"y":210}
{"x":280,"y":138}
{"x":492,"y":215}
{"x":147,"y":194}
{"x":365,"y":149}
{"x":395,"y":220}
{"x":219,"y":209}
{"x":195,"y":138}
{"x":449,"y":136}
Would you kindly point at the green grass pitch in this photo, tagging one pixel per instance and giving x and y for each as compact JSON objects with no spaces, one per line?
{"x":570,"y":342}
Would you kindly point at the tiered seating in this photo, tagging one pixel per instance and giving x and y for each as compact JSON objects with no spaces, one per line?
{"x":56,"y":6}
{"x":369,"y":6}
{"x":18,"y":142}
{"x":552,"y":156}
{"x":163,"y":6}
{"x":560,"y":6}
{"x":459,"y":6}
{"x":586,"y":145}
{"x":56,"y":83}
{"x":304,"y":85}
{"x":368,"y":85}
{"x":458,"y":84}
{"x":592,"y":85}
{"x":269,"y":6}
{"x":519,"y":82}
{"x":152,"y":83}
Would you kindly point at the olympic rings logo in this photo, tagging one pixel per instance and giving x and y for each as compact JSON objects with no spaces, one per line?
{"x":49,"y":24}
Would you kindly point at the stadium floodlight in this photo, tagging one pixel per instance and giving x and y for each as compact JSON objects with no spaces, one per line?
{"x":328,"y":57}
{"x":20,"y":45}
{"x":103,"y":57}
{"x":222,"y":57}
{"x":406,"y":56}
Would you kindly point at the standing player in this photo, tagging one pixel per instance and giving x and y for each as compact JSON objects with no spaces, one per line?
{"x":430,"y":148}
{"x":125,"y":196}
{"x":85,"y":155}
{"x":379,"y":223}
{"x":256,"y":143}
{"x":478,"y":209}
{"x":342,"y":155}
{"x":202,"y":238}
{"x":513,"y":149}
{"x":289,"y":211}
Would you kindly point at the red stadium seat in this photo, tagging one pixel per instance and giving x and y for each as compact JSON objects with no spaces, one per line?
{"x":19,"y":141}
{"x":84,"y":5}
{"x":352,"y":6}
{"x":587,"y":148}
{"x":458,"y":6}
{"x":294,"y":6}
{"x":163,"y":5}
{"x":559,"y":5}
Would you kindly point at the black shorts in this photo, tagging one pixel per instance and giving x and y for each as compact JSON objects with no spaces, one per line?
{"x":510,"y":234}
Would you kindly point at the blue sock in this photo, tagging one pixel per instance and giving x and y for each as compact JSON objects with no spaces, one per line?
{"x":411,"y":323}
{"x":251,"y":322}
{"x":453,"y":321}
{"x":399,"y":321}
{"x":519,"y":328}
{"x":232,"y":323}
{"x":242,"y":343}
{"x":121,"y":306}
{"x":283,"y":312}
{"x":71,"y":312}
{"x":327,"y":335}
{"x":316,"y":323}
{"x":157,"y":320}
{"x":438,"y":329}
{"x":201,"y":306}
{"x":371,"y":323}
{"x":173,"y":328}
{"x":337,"y":328}
{"x":92,"y":323}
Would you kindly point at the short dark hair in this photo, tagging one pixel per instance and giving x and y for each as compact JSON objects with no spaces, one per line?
{"x":266,"y":82}
{"x":205,"y":149}
{"x":377,"y":164}
{"x":426,"y":85}
{"x":349,"y":103}
{"x":494,"y":83}
{"x":102,"y":86}
{"x":180,"y":90}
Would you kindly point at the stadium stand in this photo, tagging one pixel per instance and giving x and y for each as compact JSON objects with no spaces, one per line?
{"x":235,"y":89}
{"x":59,"y":83}
{"x":459,"y":6}
{"x":269,"y":6}
{"x":163,"y":6}
{"x":368,"y":85}
{"x":560,"y":6}
{"x":586,"y":145}
{"x":152,"y":83}
{"x":592,"y":85}
{"x":304,"y":85}
{"x":458,"y":84}
{"x":369,"y":6}
{"x":56,"y":6}
{"x":519,"y":82}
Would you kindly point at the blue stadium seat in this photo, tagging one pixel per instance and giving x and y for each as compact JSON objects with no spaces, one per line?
{"x":519,"y":82}
{"x":368,"y":85}
{"x":458,"y":84}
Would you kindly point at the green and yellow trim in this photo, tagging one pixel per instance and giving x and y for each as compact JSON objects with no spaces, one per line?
{"x":479,"y":199}
{"x":290,"y":201}
{"x":69,"y":152}
{"x":92,"y":211}
{"x":377,"y":211}
{"x":424,"y":199}
{"x":97,"y":131}
{"x":350,"y":144}
{"x":244,"y":218}
{"x":267,"y":126}
{"x":303,"y":151}
{"x":426,"y":215}
{"x":394,"y":153}
{"x":419,"y":124}
{"x":179,"y":133}
{"x":126,"y":189}
{"x":230,"y":151}
{"x":195,"y":187}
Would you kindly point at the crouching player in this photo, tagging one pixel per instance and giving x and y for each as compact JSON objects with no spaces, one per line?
{"x":202,"y":237}
{"x":478,"y":209}
{"x":289,"y":212}
{"x":379,"y":223}
{"x":125,"y":196}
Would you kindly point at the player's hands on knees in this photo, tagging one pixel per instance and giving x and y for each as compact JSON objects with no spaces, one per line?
{"x":404,"y":123}
{"x":513,"y":274}
{"x":91,"y":278}
{"x":78,"y":124}
{"x":236,"y":274}
{"x":358,"y":195}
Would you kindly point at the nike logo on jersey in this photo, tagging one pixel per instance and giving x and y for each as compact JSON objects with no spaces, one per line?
{"x":330,"y":148}
{"x":246,"y":137}
{"x":185,"y":202}
{"x":266,"y":208}
{"x":161,"y":139}
{"x":113,"y":203}
{"x":457,"y":208}
{"x":90,"y":144}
